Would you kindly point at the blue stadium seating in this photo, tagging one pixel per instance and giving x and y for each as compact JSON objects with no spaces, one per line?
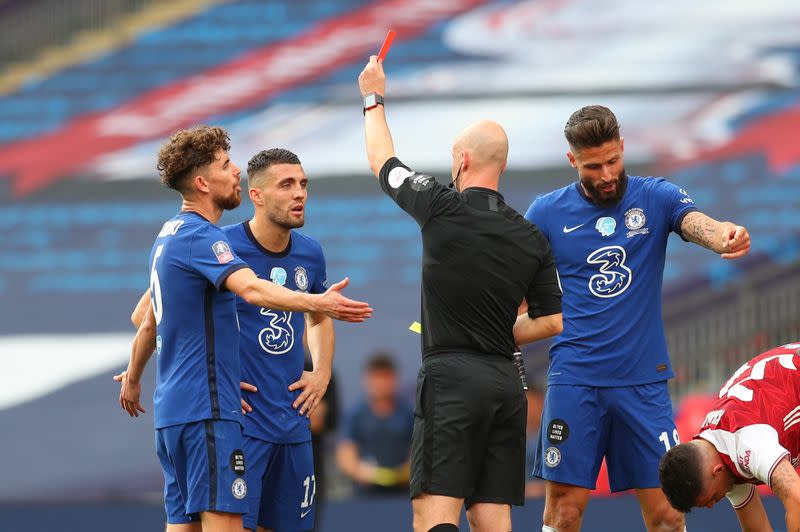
{"x":212,"y":37}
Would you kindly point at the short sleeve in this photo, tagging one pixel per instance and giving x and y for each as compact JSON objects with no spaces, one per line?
{"x":320,"y":284}
{"x":212,"y":256}
{"x":420,"y":195}
{"x":676,"y":201}
{"x":544,"y":293}
{"x":740,"y":495}
{"x":535,"y":215}
{"x":758,"y":451}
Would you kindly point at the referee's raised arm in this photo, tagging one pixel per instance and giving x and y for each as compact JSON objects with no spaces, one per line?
{"x":480,"y":258}
{"x":372,"y":83}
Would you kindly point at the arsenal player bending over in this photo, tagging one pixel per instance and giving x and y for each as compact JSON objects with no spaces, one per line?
{"x":752,"y":436}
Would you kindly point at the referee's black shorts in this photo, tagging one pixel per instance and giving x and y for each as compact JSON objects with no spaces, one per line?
{"x":469,"y":429}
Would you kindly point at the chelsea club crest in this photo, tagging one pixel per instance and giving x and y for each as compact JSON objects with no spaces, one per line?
{"x":635,"y":219}
{"x":552,"y":457}
{"x":239,"y":488}
{"x":301,"y":278}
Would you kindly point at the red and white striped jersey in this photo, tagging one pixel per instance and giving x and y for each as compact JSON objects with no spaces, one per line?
{"x":755,"y":422}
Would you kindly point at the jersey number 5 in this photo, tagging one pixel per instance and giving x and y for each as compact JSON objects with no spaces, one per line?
{"x":155,"y":286}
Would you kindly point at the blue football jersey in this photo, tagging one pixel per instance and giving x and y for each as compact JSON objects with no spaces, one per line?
{"x":610,"y":263}
{"x":271,"y":341}
{"x":197,"y":342}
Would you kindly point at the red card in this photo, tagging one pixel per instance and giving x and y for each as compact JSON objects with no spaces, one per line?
{"x":387,"y":43}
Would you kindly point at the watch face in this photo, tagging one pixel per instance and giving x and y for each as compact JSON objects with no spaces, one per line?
{"x":370,"y":100}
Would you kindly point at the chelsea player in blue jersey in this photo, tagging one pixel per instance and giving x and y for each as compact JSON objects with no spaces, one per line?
{"x":280,"y":470}
{"x":607,"y":390}
{"x":192,"y":324}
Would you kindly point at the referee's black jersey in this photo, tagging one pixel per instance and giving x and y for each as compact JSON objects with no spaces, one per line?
{"x":480,"y":258}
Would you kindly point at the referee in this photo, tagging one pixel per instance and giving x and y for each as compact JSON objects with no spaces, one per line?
{"x":480,"y":259}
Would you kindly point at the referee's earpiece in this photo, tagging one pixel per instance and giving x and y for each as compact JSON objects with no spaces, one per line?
{"x":458,"y":174}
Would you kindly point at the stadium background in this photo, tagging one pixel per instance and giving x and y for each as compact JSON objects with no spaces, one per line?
{"x":707,"y":94}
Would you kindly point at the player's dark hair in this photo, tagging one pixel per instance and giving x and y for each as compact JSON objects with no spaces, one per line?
{"x":380,"y":361}
{"x":266,"y":158}
{"x":591,"y":126}
{"x":186,"y":151}
{"x":680,"y":473}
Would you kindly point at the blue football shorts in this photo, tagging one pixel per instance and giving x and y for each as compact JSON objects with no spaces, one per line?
{"x":282,"y":485}
{"x":631,"y":426}
{"x":204,"y":466}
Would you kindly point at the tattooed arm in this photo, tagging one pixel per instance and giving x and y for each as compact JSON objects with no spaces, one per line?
{"x":786,"y":485}
{"x":729,"y":240}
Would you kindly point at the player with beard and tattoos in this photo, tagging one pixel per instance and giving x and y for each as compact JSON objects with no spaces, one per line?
{"x":189,"y":317}
{"x":607,"y":390}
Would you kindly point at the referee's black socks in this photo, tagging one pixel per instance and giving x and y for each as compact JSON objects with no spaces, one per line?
{"x":444,"y":527}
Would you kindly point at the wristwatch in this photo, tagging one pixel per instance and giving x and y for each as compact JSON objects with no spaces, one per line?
{"x":372,"y":100}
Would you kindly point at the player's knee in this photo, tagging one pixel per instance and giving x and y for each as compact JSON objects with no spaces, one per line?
{"x":565,"y":514}
{"x":565,"y":497}
{"x":444,"y":527}
{"x":483,"y":521}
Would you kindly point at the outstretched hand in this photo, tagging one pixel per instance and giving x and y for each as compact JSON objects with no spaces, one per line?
{"x":332,"y":303}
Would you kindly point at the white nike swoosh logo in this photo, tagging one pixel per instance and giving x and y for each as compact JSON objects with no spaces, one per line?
{"x":303,"y":514}
{"x":571,"y":229}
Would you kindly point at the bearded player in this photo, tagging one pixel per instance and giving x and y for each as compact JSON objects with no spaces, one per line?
{"x":277,"y":435}
{"x":607,"y":393}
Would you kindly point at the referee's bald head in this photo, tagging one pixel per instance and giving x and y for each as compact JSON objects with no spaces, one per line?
{"x":487,"y":143}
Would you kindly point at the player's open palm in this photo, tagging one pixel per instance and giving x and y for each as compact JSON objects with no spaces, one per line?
{"x":129,"y":395}
{"x":314,"y":385}
{"x":332,"y":303}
